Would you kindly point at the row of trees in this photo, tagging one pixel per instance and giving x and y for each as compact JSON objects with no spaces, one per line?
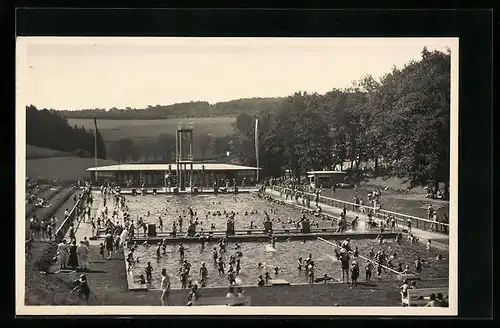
{"x":191,"y":109}
{"x":400,"y":122}
{"x":162,"y":149}
{"x":49,"y":129}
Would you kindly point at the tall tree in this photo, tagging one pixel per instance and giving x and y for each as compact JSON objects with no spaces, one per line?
{"x":416,"y":110}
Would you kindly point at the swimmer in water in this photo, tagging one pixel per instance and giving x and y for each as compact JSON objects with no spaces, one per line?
{"x":406,"y":270}
{"x":141,"y":279}
{"x":164,"y":246}
{"x":356,"y":252}
{"x":238,"y":266}
{"x":149,"y":272}
{"x":260,"y":281}
{"x":181,"y":250}
{"x":276,"y":270}
{"x":215,"y":254}
{"x":368,"y":271}
{"x":267,"y":277}
{"x":220,"y":265}
{"x":158,"y":248}
{"x":418,"y":264}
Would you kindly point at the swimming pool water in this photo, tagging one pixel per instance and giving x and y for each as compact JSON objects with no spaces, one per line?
{"x":170,"y":207}
{"x":287,"y":252}
{"x":285,"y":257}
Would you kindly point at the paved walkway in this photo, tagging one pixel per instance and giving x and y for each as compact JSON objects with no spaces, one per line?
{"x":59,"y":214}
{"x":440,"y":241}
{"x":84,"y":226}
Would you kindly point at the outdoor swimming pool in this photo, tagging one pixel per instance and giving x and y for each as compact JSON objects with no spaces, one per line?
{"x":170,"y":207}
{"x":285,"y":257}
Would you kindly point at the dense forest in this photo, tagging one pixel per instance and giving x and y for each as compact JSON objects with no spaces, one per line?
{"x":49,"y":129}
{"x":191,"y":109}
{"x":399,"y":124}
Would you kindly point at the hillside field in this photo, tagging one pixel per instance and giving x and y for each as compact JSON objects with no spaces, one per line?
{"x":63,"y":168}
{"x":40,"y":152}
{"x":114,"y":130}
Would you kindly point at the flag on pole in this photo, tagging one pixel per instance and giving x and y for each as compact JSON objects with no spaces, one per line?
{"x":257,"y":145}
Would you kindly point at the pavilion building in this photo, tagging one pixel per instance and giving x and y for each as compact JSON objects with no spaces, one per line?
{"x":159,"y":175}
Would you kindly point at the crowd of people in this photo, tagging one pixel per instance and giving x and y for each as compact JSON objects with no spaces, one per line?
{"x":72,"y":254}
{"x":292,"y":189}
{"x":119,"y":235}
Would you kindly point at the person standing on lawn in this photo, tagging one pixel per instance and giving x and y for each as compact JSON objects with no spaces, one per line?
{"x":82,"y":253}
{"x":63,"y":254}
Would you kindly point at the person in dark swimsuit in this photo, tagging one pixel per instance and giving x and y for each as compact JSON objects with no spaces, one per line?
{"x":73,"y":259}
{"x":344,"y":260}
{"x":149,"y":272}
{"x":354,"y":275}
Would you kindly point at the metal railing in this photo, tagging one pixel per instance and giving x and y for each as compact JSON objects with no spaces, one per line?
{"x":401,"y":219}
{"x":61,"y":231}
{"x":28,"y":243}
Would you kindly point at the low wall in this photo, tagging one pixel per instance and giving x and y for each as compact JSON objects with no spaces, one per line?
{"x":260,"y":237}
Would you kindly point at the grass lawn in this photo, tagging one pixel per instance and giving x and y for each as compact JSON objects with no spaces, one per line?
{"x":62,"y":168}
{"x":406,"y":203}
{"x":40,"y":152}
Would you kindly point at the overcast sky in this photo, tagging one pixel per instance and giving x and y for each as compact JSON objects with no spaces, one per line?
{"x":76,"y":73}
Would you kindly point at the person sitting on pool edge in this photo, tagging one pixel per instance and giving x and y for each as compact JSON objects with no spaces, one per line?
{"x":141,"y":280}
{"x":443,"y":302}
{"x":194,"y":294}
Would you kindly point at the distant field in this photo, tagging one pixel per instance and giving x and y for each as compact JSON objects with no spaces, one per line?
{"x":113,"y":130}
{"x":40,"y":152}
{"x":62,"y":168}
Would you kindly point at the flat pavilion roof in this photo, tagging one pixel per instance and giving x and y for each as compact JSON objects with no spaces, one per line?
{"x":326,"y":172}
{"x":164,"y":167}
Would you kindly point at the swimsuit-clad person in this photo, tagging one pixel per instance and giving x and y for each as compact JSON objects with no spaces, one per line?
{"x":165,"y":287}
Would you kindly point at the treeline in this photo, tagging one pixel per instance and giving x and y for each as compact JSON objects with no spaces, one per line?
{"x":49,"y":129}
{"x":162,"y":149}
{"x":400,"y":123}
{"x":191,"y":109}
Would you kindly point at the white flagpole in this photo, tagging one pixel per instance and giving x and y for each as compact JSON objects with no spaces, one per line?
{"x":257,"y":146}
{"x":95,"y":150}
